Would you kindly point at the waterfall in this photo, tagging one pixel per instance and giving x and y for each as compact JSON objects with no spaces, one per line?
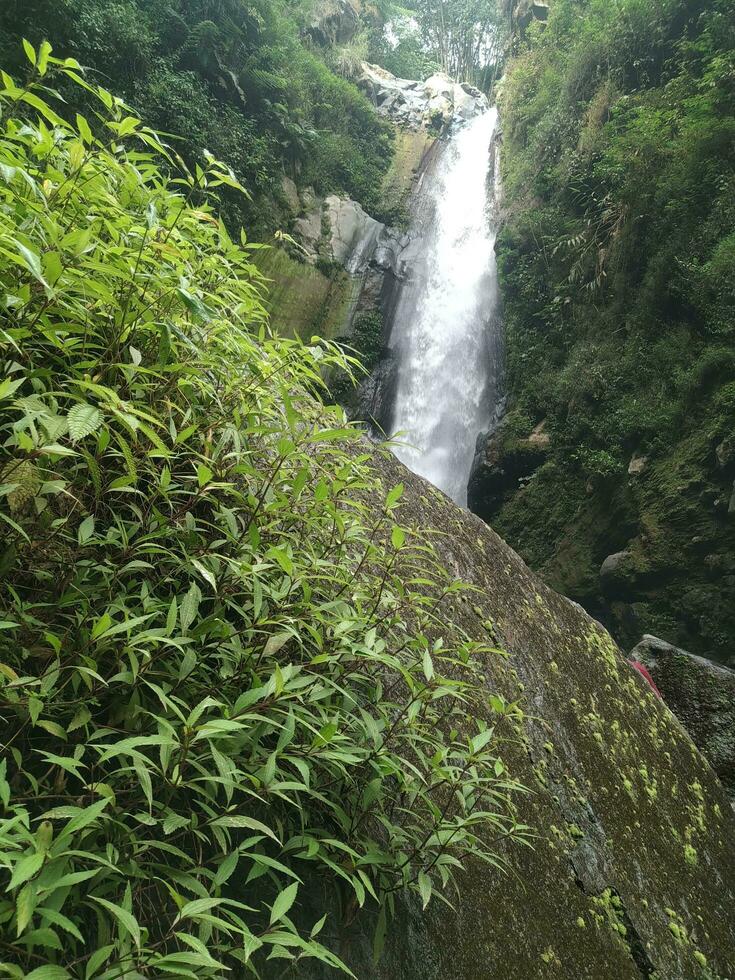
{"x":445,"y":326}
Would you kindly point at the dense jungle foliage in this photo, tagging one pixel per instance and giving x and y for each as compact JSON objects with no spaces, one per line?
{"x":236,"y":77}
{"x":618,"y":270}
{"x":223,"y":678}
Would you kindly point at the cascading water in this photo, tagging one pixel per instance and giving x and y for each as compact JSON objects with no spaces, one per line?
{"x":445,"y":326}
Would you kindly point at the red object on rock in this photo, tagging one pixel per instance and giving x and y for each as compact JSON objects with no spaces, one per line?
{"x":644,"y":672}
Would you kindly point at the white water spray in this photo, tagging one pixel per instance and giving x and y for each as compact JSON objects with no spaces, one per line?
{"x":446,"y":329}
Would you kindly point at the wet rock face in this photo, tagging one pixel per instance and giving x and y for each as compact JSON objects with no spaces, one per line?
{"x":500,"y":465}
{"x":339,"y":230}
{"x":702,"y":696}
{"x":433,"y":104}
{"x":334,"y":22}
{"x":353,"y":235}
{"x":632,"y":873}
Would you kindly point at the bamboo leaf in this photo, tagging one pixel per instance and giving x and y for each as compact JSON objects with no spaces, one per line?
{"x":283,"y":902}
{"x":126,"y":920}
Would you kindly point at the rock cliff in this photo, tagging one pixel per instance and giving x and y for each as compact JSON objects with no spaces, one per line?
{"x":334,"y":22}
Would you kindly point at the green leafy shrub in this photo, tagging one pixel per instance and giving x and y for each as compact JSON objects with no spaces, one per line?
{"x":616,"y":265}
{"x":365,"y":343}
{"x":598,"y":463}
{"x":231,"y":77}
{"x":222,"y":666}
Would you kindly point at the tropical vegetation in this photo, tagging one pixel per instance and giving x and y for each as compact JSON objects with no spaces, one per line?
{"x":618,"y":271}
{"x":225,"y":684}
{"x":235,"y":77}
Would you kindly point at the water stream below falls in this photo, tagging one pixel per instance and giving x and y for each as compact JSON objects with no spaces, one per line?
{"x":445,"y":326}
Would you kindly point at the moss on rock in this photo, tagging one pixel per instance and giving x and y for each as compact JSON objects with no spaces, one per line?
{"x":618,"y":814}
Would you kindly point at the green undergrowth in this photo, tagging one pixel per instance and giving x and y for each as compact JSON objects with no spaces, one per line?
{"x":236,"y":77}
{"x":223,"y":670}
{"x":617,"y":265}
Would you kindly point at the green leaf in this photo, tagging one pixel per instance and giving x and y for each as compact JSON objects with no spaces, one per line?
{"x":43,"y":55}
{"x":30,"y":52}
{"x":24,"y":906}
{"x":26,"y":868}
{"x":379,"y":934}
{"x":394,"y":496}
{"x":102,"y":625}
{"x":126,"y":919}
{"x":31,"y":261}
{"x":96,"y":960}
{"x":81,"y":717}
{"x":83,"y":420}
{"x":171,"y":617}
{"x":9,"y":386}
{"x":189,"y":606}
{"x":205,"y":573}
{"x":424,"y":883}
{"x":48,"y":972}
{"x":239,"y":820}
{"x":86,"y":529}
{"x":84,"y":131}
{"x":62,"y":922}
{"x":274,"y":644}
{"x":174,"y":821}
{"x":397,"y":537}
{"x":227,"y":868}
{"x":480,"y":740}
{"x":284,"y":902}
{"x":195,"y":908}
{"x":204,"y":475}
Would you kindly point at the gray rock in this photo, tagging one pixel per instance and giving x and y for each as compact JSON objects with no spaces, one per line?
{"x":291,"y":193}
{"x":340,"y":230}
{"x":620,"y":574}
{"x":309,"y":198}
{"x":637,"y":465}
{"x":334,"y":22}
{"x":353,"y":234}
{"x":702,"y":696}
{"x":435,"y":103}
{"x":308,"y":231}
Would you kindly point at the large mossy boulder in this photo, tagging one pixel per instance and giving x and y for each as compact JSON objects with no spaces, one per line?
{"x":702,"y":696}
{"x":504,"y":460}
{"x":632,"y":873}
